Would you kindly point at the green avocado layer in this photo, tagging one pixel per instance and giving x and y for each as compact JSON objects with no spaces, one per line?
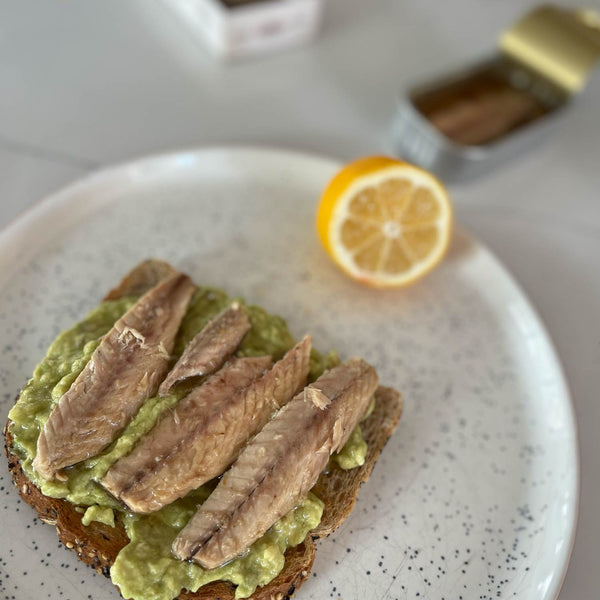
{"x":145,"y":569}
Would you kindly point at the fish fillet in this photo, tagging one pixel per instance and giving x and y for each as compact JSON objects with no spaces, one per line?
{"x":279,"y":466}
{"x":209,"y":349}
{"x":125,"y":369}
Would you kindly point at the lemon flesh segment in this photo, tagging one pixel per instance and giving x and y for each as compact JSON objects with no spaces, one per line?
{"x":423,"y":208}
{"x":355,"y":233}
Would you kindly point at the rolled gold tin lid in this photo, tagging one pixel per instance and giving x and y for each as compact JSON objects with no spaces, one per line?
{"x":561,"y":45}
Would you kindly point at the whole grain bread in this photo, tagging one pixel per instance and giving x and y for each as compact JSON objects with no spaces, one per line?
{"x":98,"y":544}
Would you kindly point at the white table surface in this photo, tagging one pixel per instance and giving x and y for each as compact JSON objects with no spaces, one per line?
{"x":85,"y":84}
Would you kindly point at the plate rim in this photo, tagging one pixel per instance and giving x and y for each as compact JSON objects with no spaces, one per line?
{"x":34,"y":214}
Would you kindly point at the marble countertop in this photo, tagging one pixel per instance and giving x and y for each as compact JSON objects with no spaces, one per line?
{"x":86,"y":85}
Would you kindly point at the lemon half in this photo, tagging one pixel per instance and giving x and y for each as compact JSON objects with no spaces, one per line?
{"x":385,"y":222}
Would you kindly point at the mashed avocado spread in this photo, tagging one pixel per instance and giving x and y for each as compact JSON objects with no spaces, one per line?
{"x":145,"y":569}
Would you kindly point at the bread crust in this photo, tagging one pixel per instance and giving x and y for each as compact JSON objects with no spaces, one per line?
{"x":98,"y":544}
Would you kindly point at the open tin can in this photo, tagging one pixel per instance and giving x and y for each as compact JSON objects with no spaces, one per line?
{"x":466,"y":122}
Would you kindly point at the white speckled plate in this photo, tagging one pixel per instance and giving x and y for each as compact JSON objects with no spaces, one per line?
{"x":474,"y":497}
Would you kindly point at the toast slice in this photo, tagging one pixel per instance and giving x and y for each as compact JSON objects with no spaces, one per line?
{"x":98,"y":544}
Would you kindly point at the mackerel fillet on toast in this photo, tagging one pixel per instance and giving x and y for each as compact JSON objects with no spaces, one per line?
{"x":98,"y":544}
